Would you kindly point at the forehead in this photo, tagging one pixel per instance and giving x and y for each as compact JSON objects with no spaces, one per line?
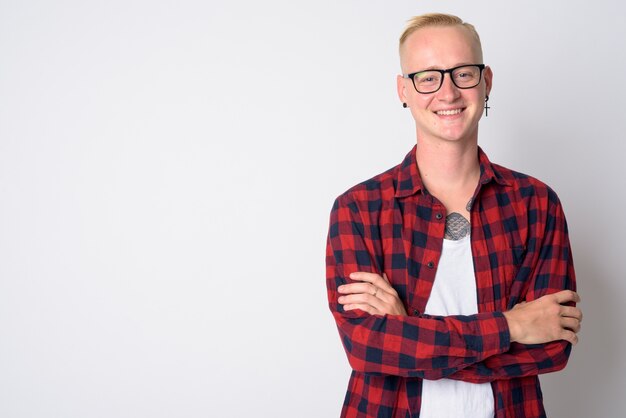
{"x":439,"y":47}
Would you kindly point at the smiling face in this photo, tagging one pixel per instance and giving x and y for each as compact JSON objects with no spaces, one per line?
{"x":450,"y":114}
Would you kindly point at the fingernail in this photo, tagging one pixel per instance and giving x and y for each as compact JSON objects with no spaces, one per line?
{"x":340,"y":299}
{"x":340,"y":288}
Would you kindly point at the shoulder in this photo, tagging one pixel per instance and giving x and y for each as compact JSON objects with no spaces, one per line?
{"x":369,"y":194}
{"x":526,"y":188}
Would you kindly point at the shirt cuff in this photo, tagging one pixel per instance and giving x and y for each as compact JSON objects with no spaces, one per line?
{"x":495,"y":331}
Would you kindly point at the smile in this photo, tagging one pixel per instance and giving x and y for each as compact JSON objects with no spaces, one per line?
{"x":449,"y":112}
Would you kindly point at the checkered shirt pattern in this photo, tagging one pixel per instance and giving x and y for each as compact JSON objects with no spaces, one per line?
{"x":521,"y":251}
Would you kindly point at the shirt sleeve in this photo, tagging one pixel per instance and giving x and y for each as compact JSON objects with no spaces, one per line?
{"x":400,"y":345}
{"x":547,"y":268}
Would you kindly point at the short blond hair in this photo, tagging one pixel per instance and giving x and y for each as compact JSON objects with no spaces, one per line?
{"x":437,"y":19}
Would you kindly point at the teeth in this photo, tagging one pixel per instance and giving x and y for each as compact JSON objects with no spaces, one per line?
{"x":449,"y":112}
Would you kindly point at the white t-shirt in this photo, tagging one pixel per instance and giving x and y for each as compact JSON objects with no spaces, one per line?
{"x":454,"y":293}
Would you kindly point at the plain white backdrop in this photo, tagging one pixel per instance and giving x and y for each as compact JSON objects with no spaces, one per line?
{"x":167,"y":169}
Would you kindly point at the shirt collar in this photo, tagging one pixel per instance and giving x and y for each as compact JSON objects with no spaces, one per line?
{"x":409,"y":180}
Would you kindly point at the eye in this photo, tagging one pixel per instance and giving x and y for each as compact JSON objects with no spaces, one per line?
{"x":466,"y":74}
{"x":427,"y":77}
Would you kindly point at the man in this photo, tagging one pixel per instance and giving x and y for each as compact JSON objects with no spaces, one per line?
{"x":450,"y":277}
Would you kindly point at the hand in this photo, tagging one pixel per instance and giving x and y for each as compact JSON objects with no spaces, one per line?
{"x":373,"y":295}
{"x":545,"y":319}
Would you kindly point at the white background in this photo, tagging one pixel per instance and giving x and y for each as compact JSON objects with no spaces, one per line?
{"x":167,"y":169}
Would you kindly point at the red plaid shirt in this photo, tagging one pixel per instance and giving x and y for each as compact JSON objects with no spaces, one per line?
{"x":521,"y":251}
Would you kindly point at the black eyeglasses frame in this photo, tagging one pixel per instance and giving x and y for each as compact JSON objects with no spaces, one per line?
{"x":411,"y":76}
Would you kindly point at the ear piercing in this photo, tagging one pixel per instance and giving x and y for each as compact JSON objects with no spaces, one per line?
{"x":404,"y":105}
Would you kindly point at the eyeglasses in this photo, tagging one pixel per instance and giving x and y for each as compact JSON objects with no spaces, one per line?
{"x":429,"y":81}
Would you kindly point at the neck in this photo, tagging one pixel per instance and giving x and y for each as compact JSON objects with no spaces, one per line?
{"x":448,"y":168}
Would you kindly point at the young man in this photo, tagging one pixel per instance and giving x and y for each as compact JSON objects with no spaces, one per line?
{"x":450,"y":277}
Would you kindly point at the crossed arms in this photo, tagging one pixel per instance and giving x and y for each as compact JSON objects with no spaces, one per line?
{"x":381,"y":338}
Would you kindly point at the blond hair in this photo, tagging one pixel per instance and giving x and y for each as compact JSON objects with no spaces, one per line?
{"x":436,"y":19}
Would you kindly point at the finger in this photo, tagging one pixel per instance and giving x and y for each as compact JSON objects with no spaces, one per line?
{"x":369,"y":290}
{"x":362,"y":298}
{"x":388,"y":287}
{"x":377,"y":280}
{"x":366,"y":288}
{"x":364,"y":276}
{"x":570,"y":324}
{"x":373,"y":278}
{"x":356,"y":288}
{"x":362,"y":306}
{"x":571,"y":312}
{"x":569,"y":336}
{"x":386,"y":278}
{"x":567,"y":296}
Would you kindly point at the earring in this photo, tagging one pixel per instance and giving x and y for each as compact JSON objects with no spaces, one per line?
{"x":404,"y":105}
{"x":487,"y":106}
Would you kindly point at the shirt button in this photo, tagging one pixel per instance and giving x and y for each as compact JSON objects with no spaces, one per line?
{"x":430,"y":264}
{"x":416,"y":312}
{"x":439,"y":216}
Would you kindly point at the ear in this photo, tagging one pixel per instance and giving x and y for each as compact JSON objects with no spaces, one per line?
{"x":488,"y":74}
{"x":401,"y":86}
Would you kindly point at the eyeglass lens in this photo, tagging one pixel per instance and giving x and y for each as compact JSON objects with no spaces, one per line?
{"x":463,"y":77}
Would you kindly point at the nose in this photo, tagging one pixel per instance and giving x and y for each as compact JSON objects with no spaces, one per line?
{"x":448,"y":91}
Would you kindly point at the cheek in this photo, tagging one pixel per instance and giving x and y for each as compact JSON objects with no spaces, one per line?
{"x":480,"y":92}
{"x":421,"y":101}
{"x":421,"y":117}
{"x":475,"y":98}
